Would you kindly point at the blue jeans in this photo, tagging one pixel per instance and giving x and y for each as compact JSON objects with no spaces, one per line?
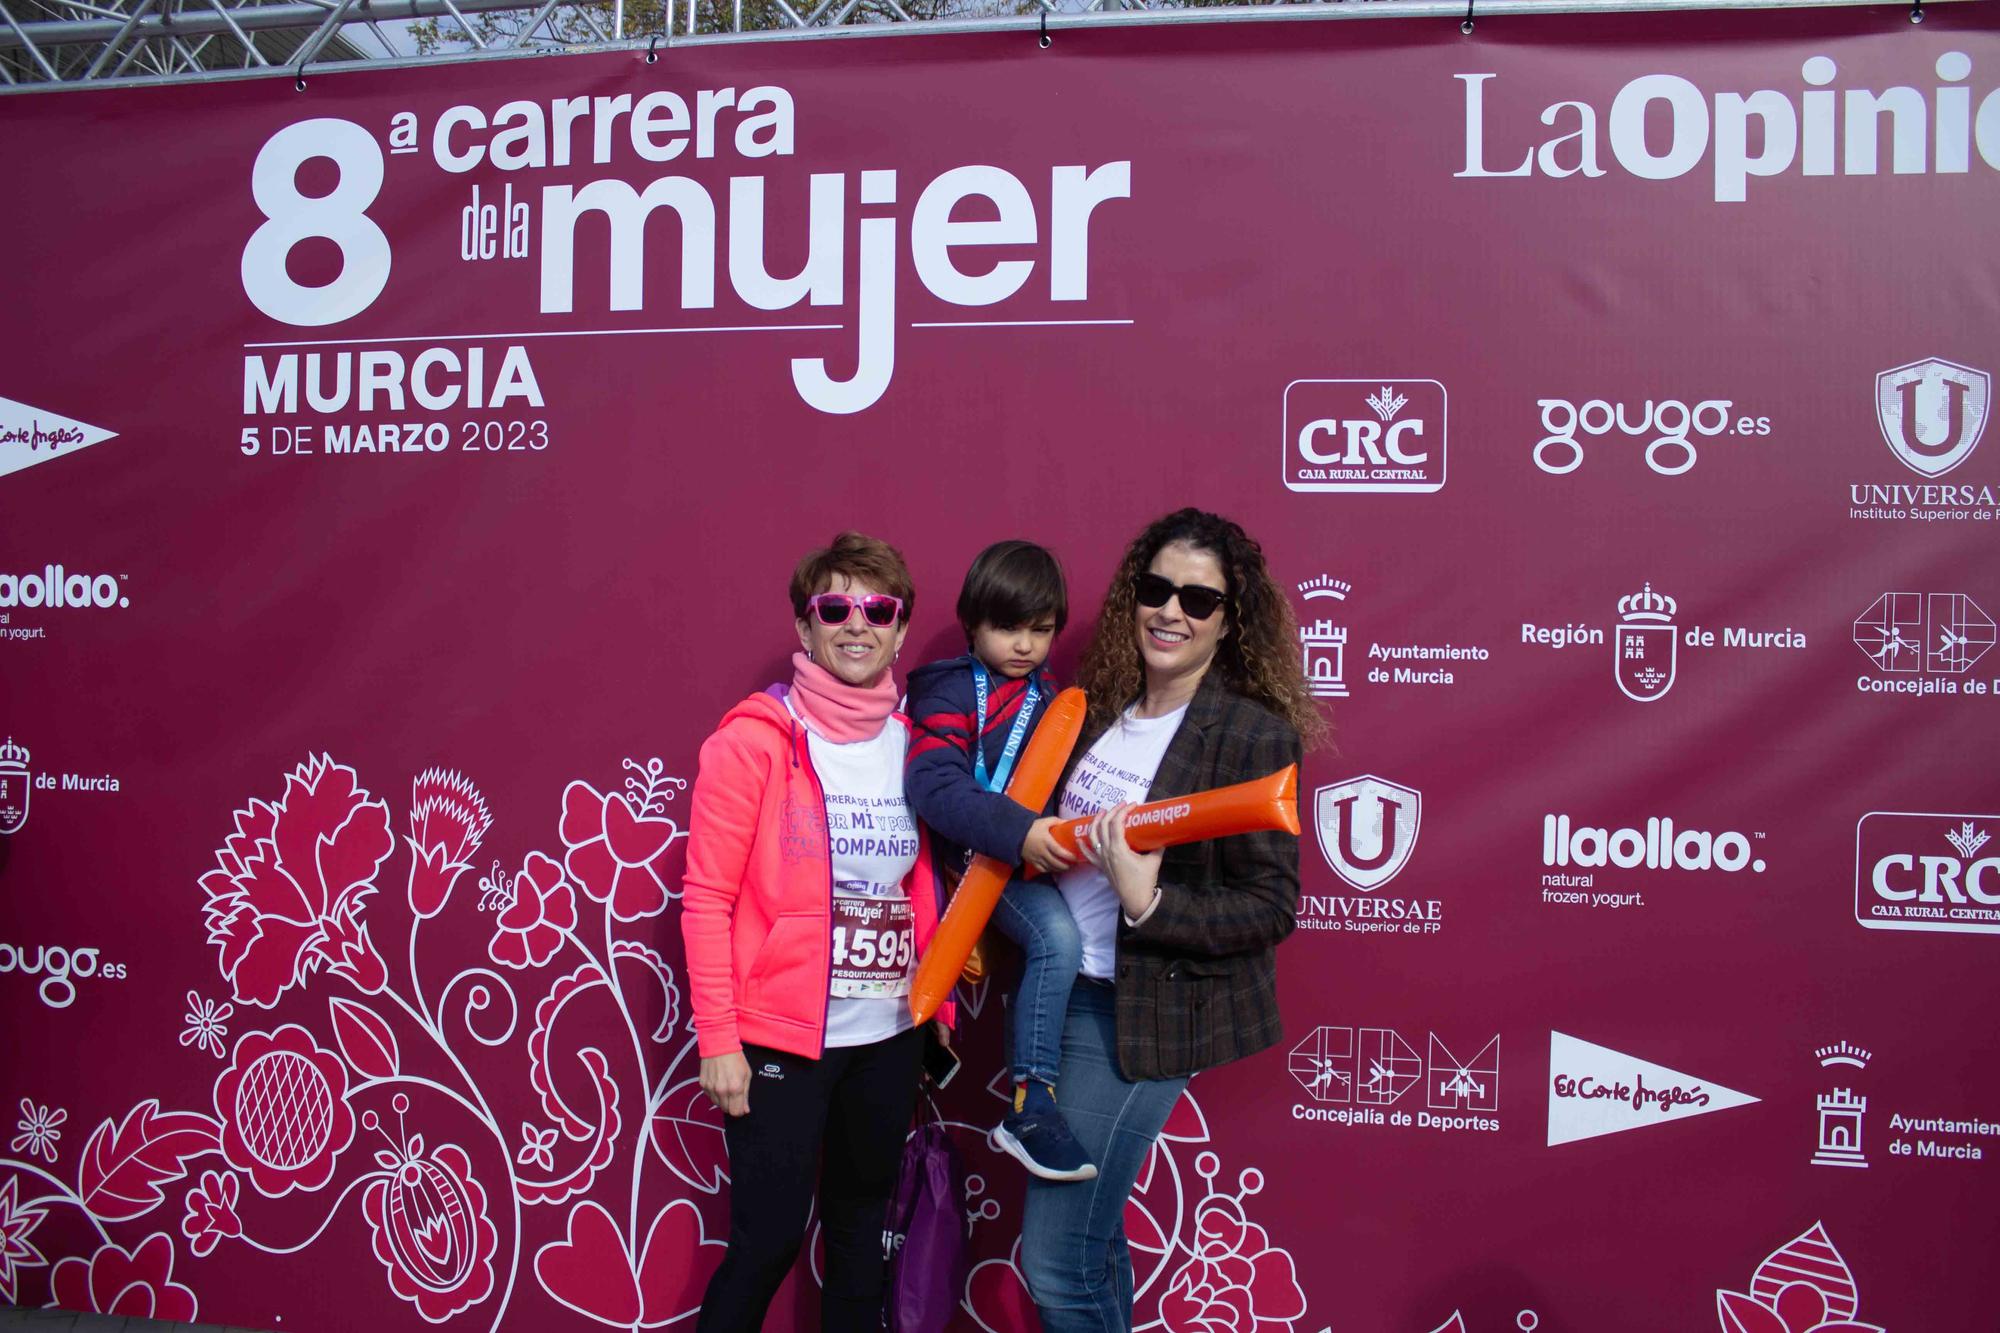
{"x":1032,"y":913}
{"x":1073,"y":1250}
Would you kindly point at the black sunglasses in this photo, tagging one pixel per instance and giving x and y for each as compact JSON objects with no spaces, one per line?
{"x":1197,"y":601}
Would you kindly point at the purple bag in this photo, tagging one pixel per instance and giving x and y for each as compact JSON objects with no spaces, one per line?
{"x":931,"y":1256}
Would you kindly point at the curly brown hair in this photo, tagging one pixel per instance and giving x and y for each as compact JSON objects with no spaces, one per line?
{"x":1258,"y":658}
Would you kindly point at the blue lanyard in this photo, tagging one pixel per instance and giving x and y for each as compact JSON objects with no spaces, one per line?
{"x":980,"y":685}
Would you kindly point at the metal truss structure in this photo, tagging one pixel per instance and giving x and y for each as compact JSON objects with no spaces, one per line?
{"x":46,"y":44}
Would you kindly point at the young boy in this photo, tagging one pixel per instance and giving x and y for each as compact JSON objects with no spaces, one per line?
{"x":973,"y":716}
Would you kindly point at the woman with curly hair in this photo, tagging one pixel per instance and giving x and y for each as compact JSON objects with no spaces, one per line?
{"x":1194,"y":682}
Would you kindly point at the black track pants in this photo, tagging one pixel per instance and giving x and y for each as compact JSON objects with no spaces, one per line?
{"x":842,"y":1118}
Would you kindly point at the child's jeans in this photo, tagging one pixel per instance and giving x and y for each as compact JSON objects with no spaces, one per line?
{"x":1033,"y":914}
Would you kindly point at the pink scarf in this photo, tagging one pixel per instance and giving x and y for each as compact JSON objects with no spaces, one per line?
{"x":837,"y":711}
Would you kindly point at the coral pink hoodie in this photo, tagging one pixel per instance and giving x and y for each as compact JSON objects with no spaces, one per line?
{"x":757,"y":897}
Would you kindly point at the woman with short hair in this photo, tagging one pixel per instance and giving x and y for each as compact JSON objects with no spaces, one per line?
{"x":808,"y":897}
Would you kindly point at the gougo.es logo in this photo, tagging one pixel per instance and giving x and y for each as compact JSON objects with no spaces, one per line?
{"x":58,"y":967}
{"x":1671,"y":424}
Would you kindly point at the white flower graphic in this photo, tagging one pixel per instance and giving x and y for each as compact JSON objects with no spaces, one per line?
{"x":537,"y":1147}
{"x":40,"y":1127}
{"x":207,"y":1024}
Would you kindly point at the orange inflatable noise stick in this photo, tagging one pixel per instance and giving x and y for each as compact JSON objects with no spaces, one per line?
{"x":1247,"y":807}
{"x":1035,"y":774}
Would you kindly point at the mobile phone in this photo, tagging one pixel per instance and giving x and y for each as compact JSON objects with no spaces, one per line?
{"x":940,"y":1062}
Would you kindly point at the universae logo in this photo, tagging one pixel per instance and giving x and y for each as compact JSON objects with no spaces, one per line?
{"x":1932,"y":413}
{"x":1367,"y":827}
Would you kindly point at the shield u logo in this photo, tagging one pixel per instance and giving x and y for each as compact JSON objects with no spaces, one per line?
{"x":1367,"y":827}
{"x":1932,"y":413}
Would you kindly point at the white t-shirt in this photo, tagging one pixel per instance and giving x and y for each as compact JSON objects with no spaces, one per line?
{"x":1117,"y":770}
{"x":873,"y":838}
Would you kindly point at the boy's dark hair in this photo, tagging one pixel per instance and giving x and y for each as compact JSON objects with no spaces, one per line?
{"x":1012,"y":583}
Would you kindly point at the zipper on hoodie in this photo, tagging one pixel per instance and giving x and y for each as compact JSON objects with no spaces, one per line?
{"x":799,"y":743}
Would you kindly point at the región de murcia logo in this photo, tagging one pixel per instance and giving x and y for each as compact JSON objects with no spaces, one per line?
{"x":1643,"y":650}
{"x":15,"y":785}
{"x":1647,"y":639}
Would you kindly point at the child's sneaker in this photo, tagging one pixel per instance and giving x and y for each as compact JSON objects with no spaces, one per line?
{"x":1036,"y":1135}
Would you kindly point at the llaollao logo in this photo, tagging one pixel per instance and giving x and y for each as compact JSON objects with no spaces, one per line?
{"x":52,"y":587}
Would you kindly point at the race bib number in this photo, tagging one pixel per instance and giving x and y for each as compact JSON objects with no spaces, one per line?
{"x":874,"y":946}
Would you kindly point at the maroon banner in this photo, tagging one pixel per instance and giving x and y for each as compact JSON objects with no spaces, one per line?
{"x":400,"y":479}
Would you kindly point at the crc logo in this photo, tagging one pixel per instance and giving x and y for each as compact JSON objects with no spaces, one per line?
{"x":1669,"y":421}
{"x":1932,"y":413}
{"x":1367,"y":827}
{"x":1645,"y":648}
{"x":1364,"y":435}
{"x":1927,"y":872}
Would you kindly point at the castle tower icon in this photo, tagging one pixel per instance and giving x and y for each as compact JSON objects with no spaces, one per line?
{"x":1325,"y":647}
{"x":1323,"y":644}
{"x":1840,"y":1129}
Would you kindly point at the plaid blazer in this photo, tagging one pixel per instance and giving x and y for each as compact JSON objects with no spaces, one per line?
{"x":1197,"y":982}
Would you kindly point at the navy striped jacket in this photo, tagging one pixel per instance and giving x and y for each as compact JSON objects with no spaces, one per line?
{"x":937,"y":777}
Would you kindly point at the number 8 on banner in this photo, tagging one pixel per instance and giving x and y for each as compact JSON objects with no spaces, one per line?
{"x":339,"y":217}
